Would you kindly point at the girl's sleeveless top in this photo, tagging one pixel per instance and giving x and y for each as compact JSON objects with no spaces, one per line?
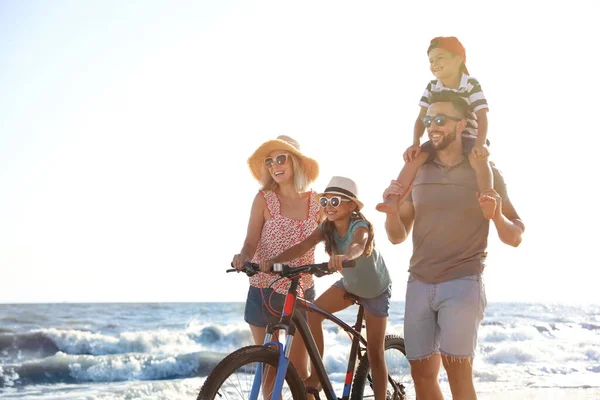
{"x":280,"y":233}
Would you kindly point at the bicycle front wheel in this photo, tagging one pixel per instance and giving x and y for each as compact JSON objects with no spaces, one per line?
{"x":398,"y":371}
{"x":233,"y":377}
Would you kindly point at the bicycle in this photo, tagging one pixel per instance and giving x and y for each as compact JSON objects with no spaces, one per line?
{"x":244,"y":362}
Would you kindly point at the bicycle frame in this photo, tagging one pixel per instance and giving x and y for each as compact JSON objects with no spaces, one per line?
{"x":313,"y":352}
{"x":291,"y":321}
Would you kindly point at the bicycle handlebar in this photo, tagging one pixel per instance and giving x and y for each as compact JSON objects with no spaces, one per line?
{"x":285,"y":271}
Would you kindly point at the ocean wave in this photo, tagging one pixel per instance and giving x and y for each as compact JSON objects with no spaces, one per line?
{"x":91,"y":343}
{"x":181,"y":389}
{"x":34,"y":344}
{"x":221,"y":336}
{"x":47,"y":342}
{"x":516,"y":353}
{"x":486,"y":322}
{"x":496,"y":333}
{"x":591,"y":327}
{"x":65,"y":368}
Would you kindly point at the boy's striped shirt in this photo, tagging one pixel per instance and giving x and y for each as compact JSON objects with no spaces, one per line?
{"x":470,"y":91}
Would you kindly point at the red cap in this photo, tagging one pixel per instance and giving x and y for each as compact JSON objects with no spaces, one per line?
{"x":453,"y":45}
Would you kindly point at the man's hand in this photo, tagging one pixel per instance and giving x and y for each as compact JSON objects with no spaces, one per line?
{"x":508,"y":224}
{"x":397,"y":189}
{"x":392,"y":205}
{"x":490,"y":203}
{"x":412,"y":152}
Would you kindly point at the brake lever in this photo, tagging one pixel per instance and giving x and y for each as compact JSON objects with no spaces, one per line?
{"x":246,"y":270}
{"x":321,"y":273}
{"x":233,"y":269}
{"x":346,"y":264}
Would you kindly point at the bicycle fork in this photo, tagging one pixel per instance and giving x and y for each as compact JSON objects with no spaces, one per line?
{"x":282,"y":365}
{"x":284,"y":325}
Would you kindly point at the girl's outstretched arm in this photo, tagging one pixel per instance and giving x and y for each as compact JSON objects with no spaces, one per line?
{"x":355,"y":249}
{"x":295,"y":251}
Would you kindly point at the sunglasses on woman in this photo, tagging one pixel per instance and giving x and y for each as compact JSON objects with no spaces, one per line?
{"x":439,"y":120}
{"x":279,"y":160}
{"x":335,"y":201}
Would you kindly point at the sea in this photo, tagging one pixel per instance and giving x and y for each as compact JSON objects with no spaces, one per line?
{"x":166,"y":350}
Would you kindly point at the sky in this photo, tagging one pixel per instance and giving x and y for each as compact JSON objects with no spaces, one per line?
{"x":125,"y":128}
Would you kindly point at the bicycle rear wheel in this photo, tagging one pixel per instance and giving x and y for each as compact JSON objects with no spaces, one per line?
{"x":398,"y":370}
{"x":233,"y":377}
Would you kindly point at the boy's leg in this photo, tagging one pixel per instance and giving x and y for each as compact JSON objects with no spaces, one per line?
{"x":485,"y":183}
{"x":485,"y":177}
{"x":332,"y":301}
{"x":406,"y":177}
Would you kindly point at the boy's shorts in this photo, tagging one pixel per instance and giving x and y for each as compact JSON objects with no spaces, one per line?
{"x":444,"y":317}
{"x":256,"y":313}
{"x":378,"y":306}
{"x":468,"y":142}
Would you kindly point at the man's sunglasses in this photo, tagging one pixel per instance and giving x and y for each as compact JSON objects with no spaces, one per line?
{"x":335,"y":201}
{"x":439,"y":120}
{"x":279,"y":160}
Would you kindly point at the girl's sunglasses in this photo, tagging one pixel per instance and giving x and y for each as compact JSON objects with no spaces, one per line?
{"x":279,"y":160}
{"x":439,"y":120}
{"x":335,"y":201}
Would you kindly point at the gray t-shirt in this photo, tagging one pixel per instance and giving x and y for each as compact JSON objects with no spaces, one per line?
{"x":370,"y":277}
{"x":450,"y":233}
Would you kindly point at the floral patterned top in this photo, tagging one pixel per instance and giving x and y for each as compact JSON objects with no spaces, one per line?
{"x":280,"y":233}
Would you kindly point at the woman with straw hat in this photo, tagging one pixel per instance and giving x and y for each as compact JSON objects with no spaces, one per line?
{"x":283,"y":214}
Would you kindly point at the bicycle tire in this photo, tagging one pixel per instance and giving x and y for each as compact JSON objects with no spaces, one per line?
{"x":361,"y":378}
{"x":242,"y":357}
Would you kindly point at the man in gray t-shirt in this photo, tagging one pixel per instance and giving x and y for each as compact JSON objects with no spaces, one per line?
{"x":445,"y":297}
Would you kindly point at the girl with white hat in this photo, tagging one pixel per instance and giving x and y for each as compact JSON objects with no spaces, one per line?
{"x":349,"y":236}
{"x":283,"y":214}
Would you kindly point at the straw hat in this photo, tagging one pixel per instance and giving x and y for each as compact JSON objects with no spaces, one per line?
{"x":345,"y":187}
{"x":256,"y":162}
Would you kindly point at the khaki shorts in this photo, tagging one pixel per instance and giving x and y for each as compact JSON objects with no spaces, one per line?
{"x":444,"y":317}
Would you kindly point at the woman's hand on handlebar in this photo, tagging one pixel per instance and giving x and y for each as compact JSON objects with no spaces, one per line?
{"x":239,"y":260}
{"x":266,"y":266}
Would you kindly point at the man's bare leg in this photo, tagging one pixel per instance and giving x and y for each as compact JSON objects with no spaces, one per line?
{"x":425,"y":376}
